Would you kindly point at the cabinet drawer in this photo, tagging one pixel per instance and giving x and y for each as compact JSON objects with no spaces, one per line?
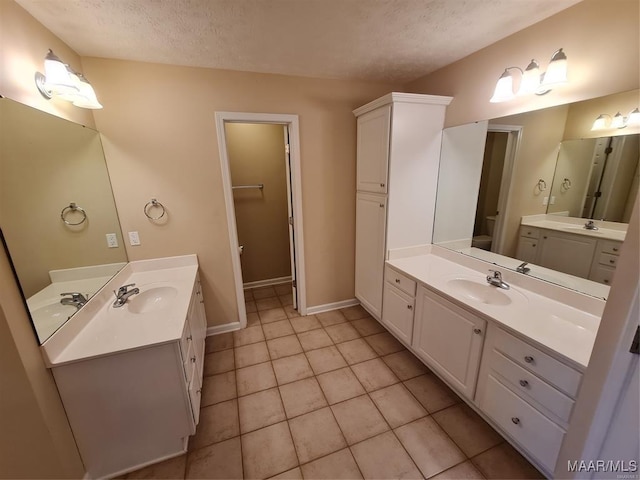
{"x":527,"y":384}
{"x":610,"y":247}
{"x":400,"y":281}
{"x":553,"y":371}
{"x":602,"y":274}
{"x":397,"y":312}
{"x":529,"y":232}
{"x":608,"y":259}
{"x":535,"y":432}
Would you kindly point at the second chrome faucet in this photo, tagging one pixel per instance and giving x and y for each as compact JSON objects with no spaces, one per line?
{"x":123,"y":294}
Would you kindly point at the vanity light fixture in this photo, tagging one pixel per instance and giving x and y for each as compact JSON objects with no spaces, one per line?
{"x":532,"y":80}
{"x":618,"y":121}
{"x":61,"y":81}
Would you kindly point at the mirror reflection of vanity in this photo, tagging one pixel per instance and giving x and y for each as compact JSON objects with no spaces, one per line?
{"x":523,"y":188}
{"x":56,"y":210}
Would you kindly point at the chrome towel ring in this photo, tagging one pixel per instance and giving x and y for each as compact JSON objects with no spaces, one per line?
{"x":154,"y":204}
{"x":73,"y":208}
{"x":566,"y":184}
{"x":541,"y":185}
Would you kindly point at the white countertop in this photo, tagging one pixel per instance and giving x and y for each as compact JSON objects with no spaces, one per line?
{"x":606,"y":230}
{"x":549,"y":316}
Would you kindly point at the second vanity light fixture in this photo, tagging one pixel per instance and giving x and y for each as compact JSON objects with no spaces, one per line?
{"x":532,"y":81}
{"x":607,"y":122}
{"x":61,"y":81}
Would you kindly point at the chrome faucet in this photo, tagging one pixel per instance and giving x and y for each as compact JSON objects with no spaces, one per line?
{"x":123,"y":294}
{"x":522,"y":268}
{"x":590,"y":225}
{"x":496,"y":280}
{"x":77,"y":299}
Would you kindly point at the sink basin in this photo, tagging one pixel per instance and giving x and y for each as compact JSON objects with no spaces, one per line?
{"x":55,"y":311}
{"x":581,"y":228}
{"x":151,"y":299}
{"x":479,"y":292}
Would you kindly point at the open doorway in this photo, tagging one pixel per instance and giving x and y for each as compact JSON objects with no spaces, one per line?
{"x":260,"y":162}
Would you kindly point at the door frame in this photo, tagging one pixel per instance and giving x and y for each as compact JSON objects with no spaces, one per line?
{"x":292,"y":123}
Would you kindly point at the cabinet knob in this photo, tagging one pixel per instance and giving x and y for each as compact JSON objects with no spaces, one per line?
{"x":397,"y":280}
{"x":409,"y":307}
{"x":544,"y":237}
{"x":606,"y":280}
{"x":198,"y":391}
{"x":615,"y":249}
{"x":612,"y":261}
{"x":193,"y":359}
{"x":515,"y":420}
{"x":528,"y":359}
{"x":189,"y":338}
{"x":477,"y":331}
{"x":534,"y":244}
{"x":382,"y":185}
{"x":382,"y":205}
{"x":524,"y":383}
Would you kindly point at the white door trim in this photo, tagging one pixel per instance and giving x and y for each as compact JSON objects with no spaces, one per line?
{"x":296,"y":184}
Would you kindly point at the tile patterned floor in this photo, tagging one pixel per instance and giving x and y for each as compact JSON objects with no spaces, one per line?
{"x":330,"y":396}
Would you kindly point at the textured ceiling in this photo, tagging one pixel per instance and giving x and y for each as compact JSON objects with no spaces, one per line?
{"x":376,"y":40}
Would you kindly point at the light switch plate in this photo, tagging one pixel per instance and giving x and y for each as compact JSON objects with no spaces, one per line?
{"x":545,"y":201}
{"x":134,"y":239}
{"x":112,"y":240}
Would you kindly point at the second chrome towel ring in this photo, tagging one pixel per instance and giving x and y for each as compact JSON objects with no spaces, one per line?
{"x":73,"y":208}
{"x":154,"y":204}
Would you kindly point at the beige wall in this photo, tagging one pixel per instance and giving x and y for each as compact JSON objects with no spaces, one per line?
{"x":602,"y":44}
{"x":257,"y":156}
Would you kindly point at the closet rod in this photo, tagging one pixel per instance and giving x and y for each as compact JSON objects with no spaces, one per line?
{"x":258,"y":185}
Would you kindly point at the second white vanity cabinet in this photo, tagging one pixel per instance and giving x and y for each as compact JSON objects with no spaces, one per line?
{"x":449,"y":340}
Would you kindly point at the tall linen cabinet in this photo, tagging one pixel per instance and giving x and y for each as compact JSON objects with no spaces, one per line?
{"x":399,"y":137}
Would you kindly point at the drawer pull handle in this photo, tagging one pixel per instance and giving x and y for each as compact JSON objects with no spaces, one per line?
{"x":528,"y":359}
{"x":612,"y":261}
{"x":515,"y":420}
{"x":397,"y":280}
{"x":189,"y":338}
{"x":477,"y":331}
{"x":382,"y":185}
{"x":614,"y":249}
{"x":198,"y":391}
{"x":410,"y":307}
{"x":524,"y":383}
{"x":193,"y":359}
{"x":382,"y":205}
{"x":534,"y":244}
{"x":606,"y":280}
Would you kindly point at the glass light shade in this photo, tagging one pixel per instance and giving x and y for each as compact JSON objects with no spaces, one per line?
{"x":57,"y":75}
{"x":618,"y":121}
{"x":530,"y":79}
{"x":600,"y":123}
{"x":504,"y":88}
{"x":556,"y":73}
{"x":87,"y":97}
{"x":634,"y":118}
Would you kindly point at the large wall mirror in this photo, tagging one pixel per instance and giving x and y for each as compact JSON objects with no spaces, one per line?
{"x":57,"y":213}
{"x":524,"y":188}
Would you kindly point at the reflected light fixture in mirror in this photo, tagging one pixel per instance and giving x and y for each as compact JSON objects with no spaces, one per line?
{"x":532,"y":81}
{"x":607,"y":122}
{"x":61,"y":81}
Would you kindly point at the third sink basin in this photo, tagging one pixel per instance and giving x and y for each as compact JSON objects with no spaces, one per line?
{"x":482,"y":292}
{"x":151,"y":299}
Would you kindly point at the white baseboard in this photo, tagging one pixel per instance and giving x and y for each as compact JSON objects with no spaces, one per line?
{"x":332,"y":306}
{"x":267,"y":282}
{"x":227,"y":327}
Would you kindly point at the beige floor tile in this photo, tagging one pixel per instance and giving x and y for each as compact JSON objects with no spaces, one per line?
{"x":250,"y":306}
{"x":283,"y":288}
{"x":216,"y":343}
{"x":340,"y":385}
{"x":503,"y":461}
{"x":325,"y":359}
{"x":255,"y":378}
{"x":374,"y":374}
{"x":405,"y":365}
{"x":174,"y":468}
{"x":465,"y":427}
{"x":431,"y":448}
{"x":286,"y":299}
{"x":217,"y":423}
{"x":316,"y":434}
{"x":314,"y":339}
{"x":251,"y":354}
{"x":359,"y":419}
{"x":268,"y":303}
{"x":342,"y":332}
{"x":304,"y":324}
{"x":218,"y":388}
{"x":248,"y":335}
{"x":263,"y":292}
{"x":462,"y":471}
{"x":260,"y":410}
{"x":431,"y":392}
{"x":268,"y":451}
{"x":290,"y":369}
{"x":382,"y":457}
{"x":291,"y":312}
{"x":219,"y":362}
{"x":302,"y":397}
{"x":248,"y":294}
{"x":384,"y":343}
{"x":281,"y":328}
{"x":331,"y":318}
{"x":221,"y":461}
{"x":354,"y":313}
{"x":367,"y":326}
{"x":397,"y":405}
{"x":253,"y":319}
{"x":284,"y":346}
{"x":272,"y":315}
{"x":293,"y":474}
{"x":356,"y":351}
{"x":338,"y":465}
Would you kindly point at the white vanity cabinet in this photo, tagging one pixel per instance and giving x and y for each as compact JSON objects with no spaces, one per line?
{"x":528,"y":393}
{"x":398,"y":304}
{"x":399,"y":137}
{"x":528,"y":244}
{"x":448,"y":339}
{"x":134,"y":407}
{"x":605,"y":261}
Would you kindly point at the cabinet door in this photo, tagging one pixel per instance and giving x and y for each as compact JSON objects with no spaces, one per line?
{"x":397,"y":312}
{"x":449,"y":339}
{"x":527,"y":249}
{"x":370,"y":241}
{"x":566,"y":253}
{"x":373,"y":150}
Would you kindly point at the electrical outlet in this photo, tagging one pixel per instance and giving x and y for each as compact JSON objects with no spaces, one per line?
{"x":545,"y":201}
{"x":112,"y":240}
{"x":134,"y":239}
{"x":553,"y":200}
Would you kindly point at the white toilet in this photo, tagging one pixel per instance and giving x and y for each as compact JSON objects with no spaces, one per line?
{"x":484,"y":241}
